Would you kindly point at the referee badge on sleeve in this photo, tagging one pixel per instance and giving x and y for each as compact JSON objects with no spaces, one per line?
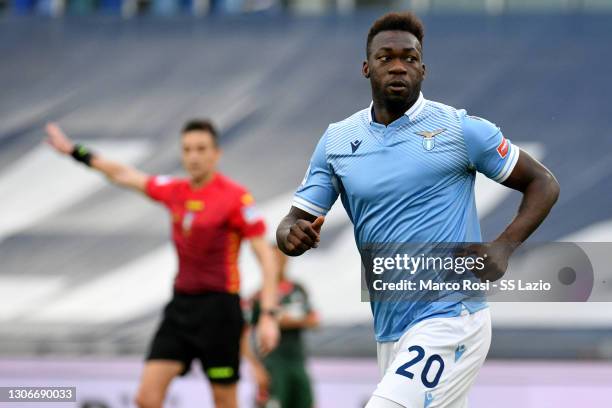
{"x":162,"y":180}
{"x":251,"y":214}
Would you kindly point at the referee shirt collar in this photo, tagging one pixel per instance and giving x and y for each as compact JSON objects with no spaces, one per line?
{"x":414,"y":110}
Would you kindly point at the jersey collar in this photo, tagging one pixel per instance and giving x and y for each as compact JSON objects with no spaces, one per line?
{"x":412,"y":113}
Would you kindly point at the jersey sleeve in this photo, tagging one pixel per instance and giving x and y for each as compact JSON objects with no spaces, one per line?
{"x":489,"y":151}
{"x":247,"y":218}
{"x":160,"y":188}
{"x":318,"y":190}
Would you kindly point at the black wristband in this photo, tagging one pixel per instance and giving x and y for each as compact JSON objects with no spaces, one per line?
{"x":82,"y":154}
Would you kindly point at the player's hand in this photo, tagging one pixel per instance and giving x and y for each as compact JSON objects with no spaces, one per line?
{"x":304,"y":235}
{"x":495,"y":256}
{"x":58,"y":139}
{"x":268,"y":334}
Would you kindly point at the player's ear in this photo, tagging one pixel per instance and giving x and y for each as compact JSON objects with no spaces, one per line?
{"x":424,"y":71}
{"x":365,"y":69}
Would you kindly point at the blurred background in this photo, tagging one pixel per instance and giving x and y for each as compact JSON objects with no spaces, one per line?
{"x":85,"y":268}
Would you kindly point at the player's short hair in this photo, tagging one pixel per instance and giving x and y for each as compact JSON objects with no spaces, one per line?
{"x":405,"y":21}
{"x":202,"y":125}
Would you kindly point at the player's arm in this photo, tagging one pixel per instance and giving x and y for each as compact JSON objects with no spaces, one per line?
{"x":500,"y":160}
{"x":262,"y":378}
{"x":267,"y":327}
{"x":299,"y":230}
{"x":540,"y":192}
{"x":118,"y":173}
{"x":310,"y":321}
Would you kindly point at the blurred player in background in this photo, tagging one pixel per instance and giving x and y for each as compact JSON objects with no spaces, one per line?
{"x":211,"y":214}
{"x":405,"y":170}
{"x":281,"y":376}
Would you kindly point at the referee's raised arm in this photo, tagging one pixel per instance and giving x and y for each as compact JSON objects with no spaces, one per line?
{"x":118,"y":173}
{"x":298,"y":232}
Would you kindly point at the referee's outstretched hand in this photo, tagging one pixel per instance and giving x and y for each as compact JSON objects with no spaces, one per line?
{"x":304,"y":235}
{"x":58,"y":139}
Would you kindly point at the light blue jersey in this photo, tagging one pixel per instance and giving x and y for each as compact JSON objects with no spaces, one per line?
{"x":409,"y":182}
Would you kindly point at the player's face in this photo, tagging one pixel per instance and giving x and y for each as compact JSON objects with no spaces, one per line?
{"x":395,"y":66}
{"x":200,"y":154}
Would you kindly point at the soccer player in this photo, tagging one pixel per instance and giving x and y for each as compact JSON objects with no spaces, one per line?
{"x":211,"y":214}
{"x":405,"y":168}
{"x":281,"y":376}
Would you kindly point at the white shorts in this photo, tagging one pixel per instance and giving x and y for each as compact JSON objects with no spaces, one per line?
{"x":434,"y":364}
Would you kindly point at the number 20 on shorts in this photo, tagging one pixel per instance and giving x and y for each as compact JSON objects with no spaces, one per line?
{"x":403,"y":369}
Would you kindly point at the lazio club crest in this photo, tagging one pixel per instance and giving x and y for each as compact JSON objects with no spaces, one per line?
{"x":429,"y":141}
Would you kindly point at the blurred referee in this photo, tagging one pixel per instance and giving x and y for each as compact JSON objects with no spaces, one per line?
{"x":211,"y":214}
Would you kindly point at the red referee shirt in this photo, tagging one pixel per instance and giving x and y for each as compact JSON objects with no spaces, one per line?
{"x":208,"y":225}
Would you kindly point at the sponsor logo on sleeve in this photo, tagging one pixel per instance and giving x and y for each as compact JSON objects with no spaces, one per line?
{"x":502,"y":149}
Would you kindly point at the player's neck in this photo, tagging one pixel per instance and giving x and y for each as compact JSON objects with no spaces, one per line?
{"x":201,"y":181}
{"x":386,"y":113}
{"x":384,"y":116}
